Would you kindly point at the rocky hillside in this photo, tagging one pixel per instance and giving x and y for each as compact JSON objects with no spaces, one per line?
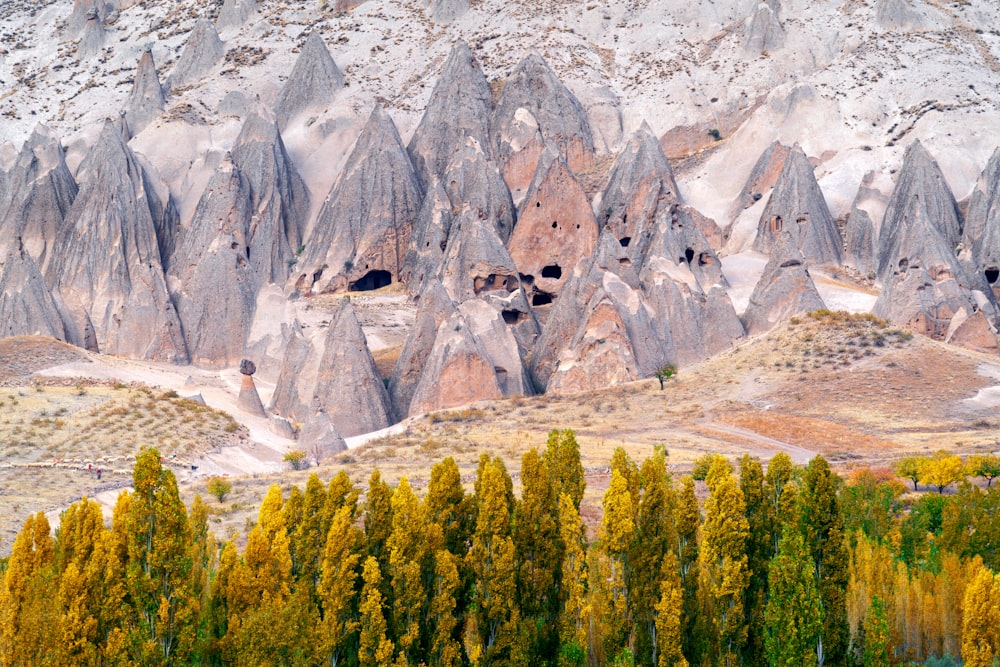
{"x":571,"y":194}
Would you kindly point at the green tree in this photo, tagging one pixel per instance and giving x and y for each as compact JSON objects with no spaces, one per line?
{"x":617,"y":532}
{"x":724,"y":562}
{"x":562,"y":456}
{"x":445,"y":649}
{"x":336,"y":590}
{"x":910,"y":468}
{"x":876,"y":653}
{"x":669,"y":612}
{"x":821,"y":525}
{"x":407,"y":546}
{"x":793,"y":617}
{"x":573,"y":623}
{"x":780,"y":490}
{"x":449,"y":507}
{"x":219,"y":487}
{"x":760,"y":519}
{"x":688,"y":521}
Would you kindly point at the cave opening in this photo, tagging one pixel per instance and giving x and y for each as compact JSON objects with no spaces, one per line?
{"x":992,"y":273}
{"x":552,"y":271}
{"x":624,"y":241}
{"x":372,"y":280}
{"x":541,"y":299}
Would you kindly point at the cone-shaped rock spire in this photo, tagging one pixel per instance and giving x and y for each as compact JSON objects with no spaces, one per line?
{"x":763,"y":176}
{"x":146,"y":101}
{"x":797,"y":208}
{"x":236,"y":13}
{"x":535,"y":109}
{"x":26,"y":305}
{"x":861,"y":239}
{"x":202,"y":52}
{"x":93,"y":37}
{"x":106,"y":261}
{"x":785,"y":289}
{"x":764,"y":32}
{"x":279,"y":197}
{"x":363,"y":230}
{"x":314,"y":80}
{"x":217,"y":296}
{"x":459,"y":107}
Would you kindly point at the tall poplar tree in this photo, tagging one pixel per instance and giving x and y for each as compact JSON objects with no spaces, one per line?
{"x":375,"y":649}
{"x":617,"y":531}
{"x":562,"y":456}
{"x":759,"y":553}
{"x":793,"y":617}
{"x":688,"y":520}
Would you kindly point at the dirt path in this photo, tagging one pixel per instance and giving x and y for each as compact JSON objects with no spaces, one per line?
{"x":769,"y":446}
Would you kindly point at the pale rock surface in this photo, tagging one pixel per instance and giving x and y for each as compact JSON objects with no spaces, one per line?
{"x":319,"y":437}
{"x":235,"y":14}
{"x":763,"y":176}
{"x":861,"y":236}
{"x":203,"y":51}
{"x":313,"y":82}
{"x":764,"y":33}
{"x":26,"y":305}
{"x":446,"y":11}
{"x":146,"y":102}
{"x":93,"y":39}
{"x":784,"y":290}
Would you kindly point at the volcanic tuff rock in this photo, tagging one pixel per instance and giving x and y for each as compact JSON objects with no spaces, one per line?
{"x":534,"y":110}
{"x":555,"y":228}
{"x":764,"y":33}
{"x":458,"y":371}
{"x":147,"y":99}
{"x":982,"y":225}
{"x":314,"y":81}
{"x":459,"y":108}
{"x":41,"y":192}
{"x":921,"y":216}
{"x":279,"y":198}
{"x":296,"y":383}
{"x":82,"y":11}
{"x":640,"y":185}
{"x":26,"y":305}
{"x":434,"y":306}
{"x":677,"y":236}
{"x":861,"y":237}
{"x":763,"y":176}
{"x":236,"y":13}
{"x":797,"y":207}
{"x":202,"y":52}
{"x":473,"y":179}
{"x":249,"y":399}
{"x":446,"y":11}
{"x":785,"y":289}
{"x":106,"y":261}
{"x":320,"y":438}
{"x":93,"y":37}
{"x":429,"y":240}
{"x":348,"y":386}
{"x":363,"y":229}
{"x":216,"y":291}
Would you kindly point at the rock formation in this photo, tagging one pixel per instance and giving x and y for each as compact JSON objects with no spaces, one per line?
{"x":784,"y":290}
{"x":296,"y":383}
{"x":763,"y":176}
{"x":320,"y":438}
{"x":363,"y":229}
{"x":472,"y":179}
{"x":764,"y":33}
{"x":535,"y":109}
{"x":861,"y":239}
{"x":434,"y":306}
{"x":797,"y":208}
{"x":203,"y":50}
{"x":640,"y":185}
{"x":348,"y":386}
{"x":446,"y":11}
{"x":429,"y":240}
{"x":26,"y":305}
{"x":93,"y":37}
{"x":280,"y":201}
{"x":459,"y":108}
{"x":676,"y":235}
{"x":41,"y":192}
{"x":555,"y":228}
{"x":106,"y":261}
{"x":83,"y":10}
{"x":235,"y":14}
{"x":249,"y":400}
{"x":146,"y":101}
{"x":981,"y":234}
{"x":314,"y":80}
{"x":216,"y":284}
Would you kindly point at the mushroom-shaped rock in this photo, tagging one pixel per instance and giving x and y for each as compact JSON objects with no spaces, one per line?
{"x":764,"y":33}
{"x":784,"y":290}
{"x":217,"y":285}
{"x":236,"y":13}
{"x":797,"y":208}
{"x":279,"y":197}
{"x":860,"y":233}
{"x":320,"y":438}
{"x":203,"y":50}
{"x":363,"y":230}
{"x":433,"y":308}
{"x":146,"y":101}
{"x":640,"y":185}
{"x":459,"y":108}
{"x":41,"y":192}
{"x":555,"y":228}
{"x":106,"y":261}
{"x":535,"y":109}
{"x":93,"y":37}
{"x":763,"y":176}
{"x":459,"y":369}
{"x":348,"y":386}
{"x":26,"y":305}
{"x":921,"y":208}
{"x":249,"y":400}
{"x":314,"y":80}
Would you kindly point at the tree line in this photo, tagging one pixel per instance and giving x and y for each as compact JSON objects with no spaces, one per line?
{"x":789,"y":566}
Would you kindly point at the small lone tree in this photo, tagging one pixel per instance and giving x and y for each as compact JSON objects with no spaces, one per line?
{"x":297,"y":459}
{"x":986,"y":466}
{"x":665,"y":373}
{"x":219,"y":487}
{"x":910,"y":468}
